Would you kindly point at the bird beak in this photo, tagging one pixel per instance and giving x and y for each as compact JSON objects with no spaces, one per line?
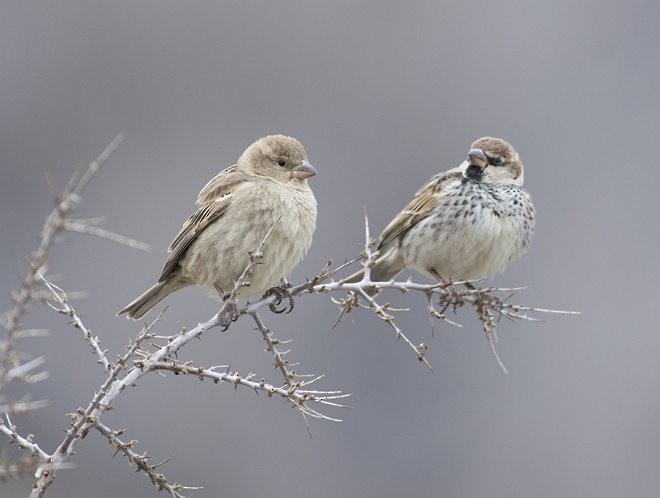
{"x":304,"y":170}
{"x":476,"y":157}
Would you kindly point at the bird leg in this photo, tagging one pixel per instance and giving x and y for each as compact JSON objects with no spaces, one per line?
{"x":229,"y":311}
{"x":281,"y":291}
{"x":228,"y":314}
{"x":439,"y":277}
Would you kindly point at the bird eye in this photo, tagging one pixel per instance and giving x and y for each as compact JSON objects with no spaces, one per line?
{"x":495,"y":161}
{"x":281,"y":162}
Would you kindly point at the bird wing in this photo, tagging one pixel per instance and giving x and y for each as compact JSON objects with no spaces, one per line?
{"x":220,"y":184}
{"x":426,"y":198}
{"x":212,"y":204}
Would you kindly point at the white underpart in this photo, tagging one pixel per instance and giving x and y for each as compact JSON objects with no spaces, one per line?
{"x":477,"y":245}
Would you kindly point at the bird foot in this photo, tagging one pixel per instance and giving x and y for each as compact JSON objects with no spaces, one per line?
{"x":281,"y":292}
{"x":228,"y":314}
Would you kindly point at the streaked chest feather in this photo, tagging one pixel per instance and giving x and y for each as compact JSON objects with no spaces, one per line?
{"x":475,"y":230}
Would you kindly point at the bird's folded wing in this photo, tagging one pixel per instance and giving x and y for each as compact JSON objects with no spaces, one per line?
{"x":191,"y":229}
{"x":212,"y":203}
{"x":220,"y":184}
{"x":426,"y":198}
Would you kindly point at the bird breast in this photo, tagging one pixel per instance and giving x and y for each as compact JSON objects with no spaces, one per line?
{"x":475,"y":231}
{"x":220,"y":253}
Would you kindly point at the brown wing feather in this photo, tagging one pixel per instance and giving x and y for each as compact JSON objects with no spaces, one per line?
{"x":190,"y":230}
{"x":212,"y":202}
{"x":220,"y":184}
{"x":426,"y":198}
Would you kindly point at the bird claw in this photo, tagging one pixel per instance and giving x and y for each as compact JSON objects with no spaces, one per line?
{"x":228,"y":314}
{"x":281,"y":292}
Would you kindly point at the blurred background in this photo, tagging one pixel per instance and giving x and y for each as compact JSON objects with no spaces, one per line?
{"x":383,"y":95}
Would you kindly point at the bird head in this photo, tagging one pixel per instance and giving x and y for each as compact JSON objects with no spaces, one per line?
{"x":492,"y":160}
{"x":278,"y":157}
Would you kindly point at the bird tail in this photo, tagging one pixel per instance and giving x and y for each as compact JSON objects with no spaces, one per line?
{"x":142,"y":304}
{"x":386,"y":267}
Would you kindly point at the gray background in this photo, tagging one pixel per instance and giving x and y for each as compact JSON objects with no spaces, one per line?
{"x":383,"y":95}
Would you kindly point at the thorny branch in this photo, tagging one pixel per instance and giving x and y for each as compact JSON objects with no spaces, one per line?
{"x":55,"y":223}
{"x":298,"y":396}
{"x":488,"y":305}
{"x":64,"y":308}
{"x":141,"y":461}
{"x":143,"y":355}
{"x":142,"y":358}
{"x":25,"y":443}
{"x":441,"y":297}
{"x":13,"y":364}
{"x":138,"y":360}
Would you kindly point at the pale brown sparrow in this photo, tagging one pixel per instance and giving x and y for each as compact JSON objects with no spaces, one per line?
{"x":267,"y":187}
{"x":465,"y":223}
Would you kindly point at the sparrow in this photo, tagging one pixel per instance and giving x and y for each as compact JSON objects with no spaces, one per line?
{"x":468,"y":222}
{"x":266,"y":188}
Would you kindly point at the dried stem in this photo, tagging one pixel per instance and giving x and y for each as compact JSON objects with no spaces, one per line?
{"x":25,"y":443}
{"x":298,"y":396}
{"x":141,"y":461}
{"x":63,"y":307}
{"x":55,"y":223}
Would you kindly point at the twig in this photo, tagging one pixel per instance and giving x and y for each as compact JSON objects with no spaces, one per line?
{"x":272,"y":347}
{"x":142,"y":461}
{"x":65,"y":308}
{"x":88,"y":229}
{"x":447,"y":295}
{"x":298,"y":396}
{"x":54,"y":224}
{"x":25,"y":443}
{"x":12,"y":365}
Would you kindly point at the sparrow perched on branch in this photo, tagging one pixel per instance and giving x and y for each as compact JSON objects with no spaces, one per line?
{"x":267,"y":188}
{"x":465,"y":223}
